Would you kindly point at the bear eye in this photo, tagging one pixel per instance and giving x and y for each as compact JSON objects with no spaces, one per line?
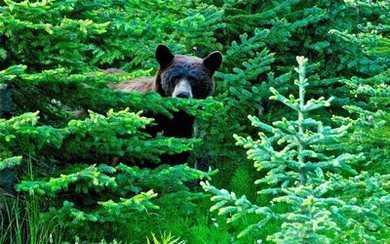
{"x":175,"y":78}
{"x":193,"y":79}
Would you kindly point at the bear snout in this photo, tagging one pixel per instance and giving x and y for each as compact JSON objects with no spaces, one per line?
{"x":183,"y":94}
{"x":182,"y":90}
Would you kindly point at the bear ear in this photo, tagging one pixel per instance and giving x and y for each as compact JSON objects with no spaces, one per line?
{"x":164,"y":56}
{"x":213,"y":61}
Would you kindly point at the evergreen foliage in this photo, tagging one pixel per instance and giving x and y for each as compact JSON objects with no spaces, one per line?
{"x":86,"y":173}
{"x":370,"y":119}
{"x":307,"y":180}
{"x":91,"y":169}
{"x":342,"y":39}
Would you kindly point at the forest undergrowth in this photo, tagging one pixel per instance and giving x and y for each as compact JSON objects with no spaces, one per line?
{"x":292,"y":147}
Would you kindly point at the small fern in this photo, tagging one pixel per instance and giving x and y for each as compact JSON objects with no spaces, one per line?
{"x":165,"y":238}
{"x":242,"y":183}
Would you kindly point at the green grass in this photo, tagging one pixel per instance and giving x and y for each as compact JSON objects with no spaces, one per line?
{"x":21,"y":222}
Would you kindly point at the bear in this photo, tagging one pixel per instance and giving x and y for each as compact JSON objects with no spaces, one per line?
{"x":178,"y":76}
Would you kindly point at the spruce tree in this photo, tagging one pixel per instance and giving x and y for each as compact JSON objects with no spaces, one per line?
{"x":338,"y":37}
{"x":315,"y":185}
{"x":369,"y":115}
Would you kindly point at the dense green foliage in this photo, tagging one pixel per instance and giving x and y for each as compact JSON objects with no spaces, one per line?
{"x":84,"y":177}
{"x":318,"y":188}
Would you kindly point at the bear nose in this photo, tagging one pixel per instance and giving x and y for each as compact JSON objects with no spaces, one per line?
{"x":183,"y":94}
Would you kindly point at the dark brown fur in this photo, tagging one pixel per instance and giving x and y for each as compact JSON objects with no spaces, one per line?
{"x":178,"y":76}
{"x":197,"y":71}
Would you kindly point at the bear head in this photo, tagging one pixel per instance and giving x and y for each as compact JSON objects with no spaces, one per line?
{"x":183,"y":76}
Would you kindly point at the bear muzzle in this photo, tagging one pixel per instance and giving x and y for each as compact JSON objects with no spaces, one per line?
{"x":182,"y":89}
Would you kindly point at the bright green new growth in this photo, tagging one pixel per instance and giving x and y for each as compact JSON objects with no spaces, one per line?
{"x":165,"y":238}
{"x":101,"y":193}
{"x":295,"y":162}
{"x":296,"y":173}
{"x":52,"y":54}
